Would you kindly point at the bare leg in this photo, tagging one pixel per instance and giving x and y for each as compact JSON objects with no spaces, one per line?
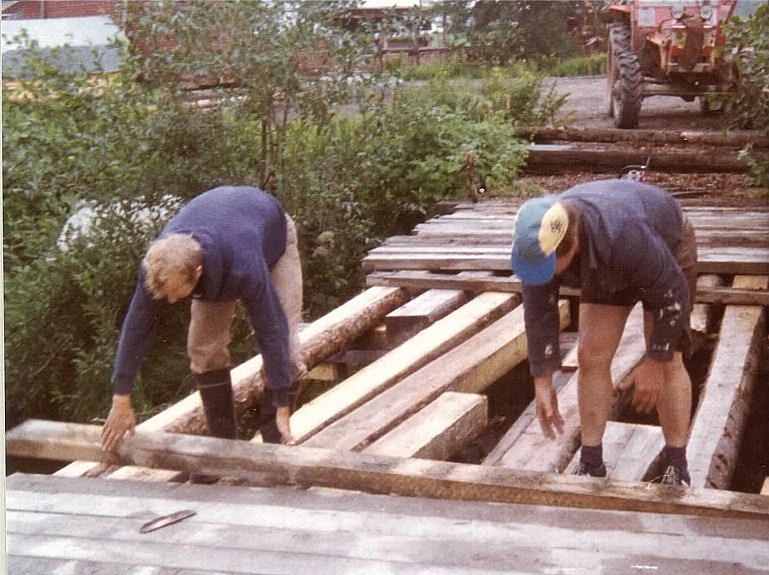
{"x":286,"y":277}
{"x":675,"y":402}
{"x":600,"y":331}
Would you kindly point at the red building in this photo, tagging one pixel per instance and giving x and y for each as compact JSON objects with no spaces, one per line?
{"x":41,"y":9}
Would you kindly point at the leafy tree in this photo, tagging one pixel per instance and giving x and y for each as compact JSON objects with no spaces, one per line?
{"x":125,"y":147}
{"x":499,"y":32}
{"x":748,"y":41}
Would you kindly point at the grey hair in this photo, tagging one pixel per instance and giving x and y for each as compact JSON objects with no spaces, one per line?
{"x":172,"y":256}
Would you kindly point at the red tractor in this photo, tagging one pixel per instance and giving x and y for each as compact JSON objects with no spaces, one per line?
{"x":666,"y":48}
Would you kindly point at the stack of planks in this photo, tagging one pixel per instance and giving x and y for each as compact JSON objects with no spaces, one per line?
{"x":448,"y":324}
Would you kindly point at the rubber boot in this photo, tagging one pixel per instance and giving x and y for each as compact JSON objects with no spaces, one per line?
{"x":267,"y":426}
{"x":215,"y":389}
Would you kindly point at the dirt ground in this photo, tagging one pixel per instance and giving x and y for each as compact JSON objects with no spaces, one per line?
{"x":586,"y":108}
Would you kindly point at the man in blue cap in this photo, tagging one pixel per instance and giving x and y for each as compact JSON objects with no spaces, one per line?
{"x":621,"y":242}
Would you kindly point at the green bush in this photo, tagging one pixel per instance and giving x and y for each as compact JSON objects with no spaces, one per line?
{"x":349,"y":182}
{"x":748,"y":42}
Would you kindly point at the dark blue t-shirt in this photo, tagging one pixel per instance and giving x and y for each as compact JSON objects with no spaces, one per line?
{"x":629,"y":233}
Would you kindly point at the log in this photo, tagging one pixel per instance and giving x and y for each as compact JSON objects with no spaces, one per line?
{"x":542,"y":160}
{"x":439,"y":430}
{"x":629,"y":450}
{"x":324,"y":337}
{"x":400,"y":362}
{"x":306,"y":468}
{"x":724,"y":406}
{"x":470,"y":367}
{"x":736,"y":139}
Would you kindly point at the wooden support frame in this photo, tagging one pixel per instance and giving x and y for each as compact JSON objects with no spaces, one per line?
{"x":629,"y":450}
{"x":427,"y":345}
{"x":323,"y":338}
{"x":721,"y":415}
{"x":308,"y":467}
{"x":470,"y":367}
{"x":439,"y":430}
{"x":524,"y":446}
{"x":510,"y":284}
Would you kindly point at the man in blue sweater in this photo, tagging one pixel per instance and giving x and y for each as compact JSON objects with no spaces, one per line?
{"x":620,"y":242}
{"x":227,"y":244}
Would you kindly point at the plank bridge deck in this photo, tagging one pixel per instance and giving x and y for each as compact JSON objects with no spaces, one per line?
{"x":411,"y":361}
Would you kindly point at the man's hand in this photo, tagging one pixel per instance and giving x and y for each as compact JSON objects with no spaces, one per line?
{"x":648,"y":378}
{"x":121,"y":419}
{"x":547,"y":406}
{"x":282,"y":420}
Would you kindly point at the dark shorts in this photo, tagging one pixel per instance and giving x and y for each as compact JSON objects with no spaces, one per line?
{"x":686,"y":256}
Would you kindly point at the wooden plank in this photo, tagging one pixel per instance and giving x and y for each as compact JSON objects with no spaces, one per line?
{"x":420,"y":312}
{"x":323,"y":338}
{"x":702,"y":315}
{"x":528,"y":448}
{"x":411,"y":534}
{"x":470,"y":367}
{"x":421,"y":279}
{"x":325,"y":372}
{"x":571,"y":361}
{"x":405,"y":359}
{"x":306,"y":467}
{"x":418,"y":541}
{"x":721,"y":416}
{"x":717,"y":260}
{"x":439,"y":430}
{"x":629,"y":449}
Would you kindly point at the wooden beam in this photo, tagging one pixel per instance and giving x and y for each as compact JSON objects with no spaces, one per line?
{"x":325,"y":372}
{"x":470,"y":367}
{"x":323,"y":338}
{"x":739,"y":138}
{"x":702,"y":315}
{"x":724,"y":405}
{"x":420,"y":312}
{"x":427,"y":345}
{"x":511,"y":284}
{"x":553,"y":160}
{"x":307,"y":467}
{"x":629,"y":449}
{"x":526,"y":447}
{"x":439,"y":430}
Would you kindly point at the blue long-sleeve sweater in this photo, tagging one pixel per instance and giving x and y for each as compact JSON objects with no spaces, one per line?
{"x":628,"y":236}
{"x":242,"y":232}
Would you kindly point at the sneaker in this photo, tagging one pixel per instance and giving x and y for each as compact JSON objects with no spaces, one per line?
{"x":591,"y":471}
{"x":676,"y":477}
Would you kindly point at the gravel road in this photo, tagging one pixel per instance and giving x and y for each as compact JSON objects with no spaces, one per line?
{"x":586,"y":108}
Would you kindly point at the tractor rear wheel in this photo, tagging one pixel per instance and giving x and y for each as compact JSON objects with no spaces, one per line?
{"x":624,"y":79}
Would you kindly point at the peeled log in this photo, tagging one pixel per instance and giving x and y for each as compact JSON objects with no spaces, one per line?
{"x":737,"y":139}
{"x":602,"y":157}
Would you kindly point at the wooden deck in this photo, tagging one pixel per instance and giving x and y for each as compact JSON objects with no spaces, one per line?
{"x":412,"y":361}
{"x":79,"y":526}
